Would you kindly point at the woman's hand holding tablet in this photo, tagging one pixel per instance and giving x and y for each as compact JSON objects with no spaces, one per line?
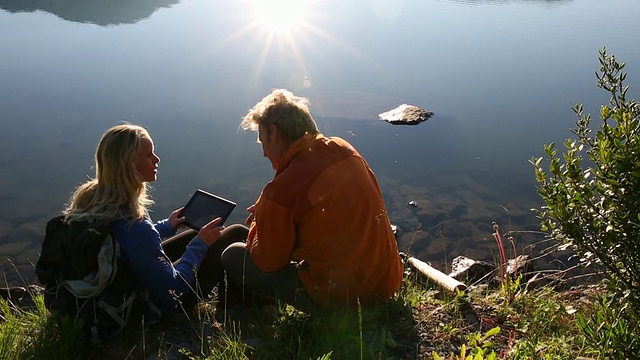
{"x":203,"y":207}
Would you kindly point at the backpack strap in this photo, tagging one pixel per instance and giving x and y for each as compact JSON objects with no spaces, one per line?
{"x":121,"y":313}
{"x":132,"y":301}
{"x":153,"y":312}
{"x":116,"y":311}
{"x":95,"y":283}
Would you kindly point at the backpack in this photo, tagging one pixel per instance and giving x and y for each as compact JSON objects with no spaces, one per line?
{"x":87,"y":280}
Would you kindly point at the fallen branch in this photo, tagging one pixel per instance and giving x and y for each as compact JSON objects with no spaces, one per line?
{"x":437,"y":276}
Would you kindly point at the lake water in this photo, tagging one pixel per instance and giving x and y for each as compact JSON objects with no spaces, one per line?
{"x":499,"y":75}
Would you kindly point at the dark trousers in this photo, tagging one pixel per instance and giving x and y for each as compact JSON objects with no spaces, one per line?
{"x":258,"y":286}
{"x":211,"y":272}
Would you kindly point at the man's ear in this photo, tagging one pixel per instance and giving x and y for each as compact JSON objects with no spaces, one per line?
{"x":274,"y":132}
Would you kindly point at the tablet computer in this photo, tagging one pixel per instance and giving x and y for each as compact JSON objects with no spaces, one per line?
{"x":203,"y":207}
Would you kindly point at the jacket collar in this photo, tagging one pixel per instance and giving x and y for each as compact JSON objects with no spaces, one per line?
{"x":302,"y":144}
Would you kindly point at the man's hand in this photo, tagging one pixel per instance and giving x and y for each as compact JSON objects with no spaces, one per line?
{"x":251,"y":209}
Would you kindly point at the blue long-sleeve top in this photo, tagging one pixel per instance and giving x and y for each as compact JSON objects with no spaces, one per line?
{"x":140,"y":245}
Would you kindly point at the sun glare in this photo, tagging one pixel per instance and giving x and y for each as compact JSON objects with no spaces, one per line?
{"x":282,"y":28}
{"x":281,"y":16}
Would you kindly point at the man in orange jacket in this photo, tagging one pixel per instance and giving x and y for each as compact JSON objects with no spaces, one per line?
{"x":319,"y":232}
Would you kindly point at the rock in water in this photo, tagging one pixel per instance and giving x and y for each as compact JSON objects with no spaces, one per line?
{"x":406,"y":115}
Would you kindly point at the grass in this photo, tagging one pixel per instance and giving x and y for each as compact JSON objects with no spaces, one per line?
{"x":501,"y":320}
{"x":422,"y":321}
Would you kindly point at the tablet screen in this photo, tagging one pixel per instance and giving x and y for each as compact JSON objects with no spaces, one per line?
{"x":204,"y":207}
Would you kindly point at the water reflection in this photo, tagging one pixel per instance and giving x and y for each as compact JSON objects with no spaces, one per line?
{"x":500,"y":76}
{"x":99,"y":12}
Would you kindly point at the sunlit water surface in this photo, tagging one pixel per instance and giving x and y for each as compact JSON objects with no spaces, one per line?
{"x":500,"y":76}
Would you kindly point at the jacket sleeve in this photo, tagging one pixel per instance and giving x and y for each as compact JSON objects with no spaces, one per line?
{"x":164,"y":228}
{"x":272,"y":245}
{"x":152,"y":268}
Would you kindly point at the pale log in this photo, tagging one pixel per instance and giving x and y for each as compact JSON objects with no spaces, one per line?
{"x":437,"y":276}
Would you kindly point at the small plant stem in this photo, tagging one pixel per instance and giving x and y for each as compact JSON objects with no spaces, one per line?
{"x":503,"y":256}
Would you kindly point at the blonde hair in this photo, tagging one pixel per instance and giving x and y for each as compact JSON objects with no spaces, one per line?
{"x":116,"y":191}
{"x":290,"y":113}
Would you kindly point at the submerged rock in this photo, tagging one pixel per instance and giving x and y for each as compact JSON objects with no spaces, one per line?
{"x":406,"y":115}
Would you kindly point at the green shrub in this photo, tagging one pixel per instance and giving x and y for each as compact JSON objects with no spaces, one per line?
{"x":595,"y":207}
{"x":596,"y":210}
{"x":611,"y":330}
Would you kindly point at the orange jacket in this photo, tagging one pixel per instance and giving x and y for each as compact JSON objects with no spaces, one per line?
{"x":324,"y":210}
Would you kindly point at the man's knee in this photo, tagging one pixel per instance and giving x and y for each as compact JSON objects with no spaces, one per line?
{"x":234,"y":256}
{"x":238,"y":232}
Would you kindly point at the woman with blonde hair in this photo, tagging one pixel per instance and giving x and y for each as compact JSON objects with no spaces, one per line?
{"x":170,"y":270}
